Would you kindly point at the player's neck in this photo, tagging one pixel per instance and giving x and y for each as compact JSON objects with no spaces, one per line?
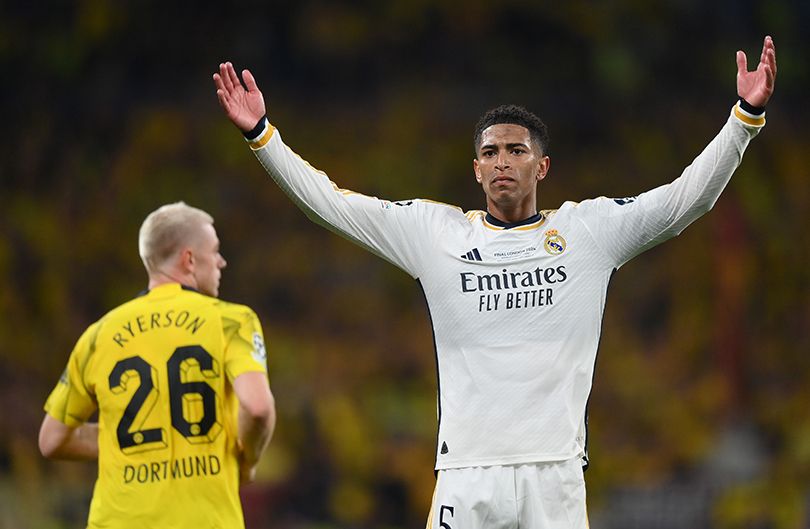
{"x":512,"y":214}
{"x":157,"y":279}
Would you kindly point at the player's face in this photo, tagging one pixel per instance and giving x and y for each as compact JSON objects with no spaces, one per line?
{"x":508,"y":168}
{"x":208,"y":262}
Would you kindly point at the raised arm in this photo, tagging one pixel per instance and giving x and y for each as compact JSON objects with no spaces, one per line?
{"x":626,"y":227}
{"x":757,"y":87}
{"x":396,"y":231}
{"x":244,"y":107}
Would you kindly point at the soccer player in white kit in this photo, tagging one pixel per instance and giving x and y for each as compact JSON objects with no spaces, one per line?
{"x":515,"y":295}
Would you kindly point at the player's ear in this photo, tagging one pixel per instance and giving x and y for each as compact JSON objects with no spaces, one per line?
{"x":476,"y":170}
{"x":542,"y":167}
{"x":186,"y":260}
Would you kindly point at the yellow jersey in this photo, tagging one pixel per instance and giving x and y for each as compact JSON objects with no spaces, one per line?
{"x":159,"y":371}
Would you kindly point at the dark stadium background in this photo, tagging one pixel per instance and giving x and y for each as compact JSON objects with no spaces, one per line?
{"x":699,"y":414}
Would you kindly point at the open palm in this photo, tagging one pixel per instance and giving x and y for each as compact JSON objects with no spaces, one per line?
{"x":757,"y":87}
{"x":244,"y":107}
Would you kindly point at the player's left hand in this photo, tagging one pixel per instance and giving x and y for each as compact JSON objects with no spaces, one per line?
{"x":244,"y":105}
{"x":757,"y":87}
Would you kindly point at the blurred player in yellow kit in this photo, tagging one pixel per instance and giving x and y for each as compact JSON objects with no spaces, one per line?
{"x":179,"y":381}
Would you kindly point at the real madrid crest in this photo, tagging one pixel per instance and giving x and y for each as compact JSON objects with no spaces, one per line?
{"x":554,"y":243}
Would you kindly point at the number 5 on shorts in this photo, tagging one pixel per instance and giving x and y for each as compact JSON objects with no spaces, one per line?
{"x":442,"y":523}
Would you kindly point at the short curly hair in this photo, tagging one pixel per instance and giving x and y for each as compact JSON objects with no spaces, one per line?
{"x":515,"y":115}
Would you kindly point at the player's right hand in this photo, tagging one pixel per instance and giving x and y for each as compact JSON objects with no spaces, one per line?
{"x":243,"y":107}
{"x":757,"y":87}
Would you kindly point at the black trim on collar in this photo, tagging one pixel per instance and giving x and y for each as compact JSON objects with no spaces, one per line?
{"x":507,"y":225}
{"x":184,"y":287}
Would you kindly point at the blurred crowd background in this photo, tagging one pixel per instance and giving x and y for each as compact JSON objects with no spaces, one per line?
{"x":699,"y":414}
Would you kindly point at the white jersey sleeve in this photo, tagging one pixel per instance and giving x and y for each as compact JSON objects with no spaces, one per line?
{"x":623,"y":228}
{"x":396,"y":231}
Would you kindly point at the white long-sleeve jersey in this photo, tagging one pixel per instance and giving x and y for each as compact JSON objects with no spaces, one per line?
{"x":517,"y":309}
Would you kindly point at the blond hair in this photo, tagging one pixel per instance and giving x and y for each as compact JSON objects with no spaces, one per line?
{"x":167,"y":230}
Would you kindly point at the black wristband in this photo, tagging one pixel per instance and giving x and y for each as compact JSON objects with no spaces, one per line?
{"x":253,"y":133}
{"x":751,"y":109}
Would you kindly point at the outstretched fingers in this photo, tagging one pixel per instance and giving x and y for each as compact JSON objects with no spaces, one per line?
{"x":236,"y":84}
{"x":770,"y":76}
{"x":243,"y":107}
{"x":227,"y":84}
{"x":771,"y":55}
{"x":224,"y":100}
{"x":222,"y":94}
{"x":742,"y":63}
{"x":218,"y":83}
{"x":768,"y":56}
{"x":250,"y":81}
{"x":767,"y":62}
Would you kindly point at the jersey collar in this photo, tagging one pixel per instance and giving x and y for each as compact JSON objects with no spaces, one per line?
{"x":509,"y":225}
{"x":184,"y":287}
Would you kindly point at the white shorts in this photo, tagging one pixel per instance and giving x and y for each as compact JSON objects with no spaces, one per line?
{"x":531,"y":496}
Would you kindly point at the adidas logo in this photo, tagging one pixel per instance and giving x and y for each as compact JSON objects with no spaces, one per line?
{"x":472,"y":255}
{"x":444,"y":445}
